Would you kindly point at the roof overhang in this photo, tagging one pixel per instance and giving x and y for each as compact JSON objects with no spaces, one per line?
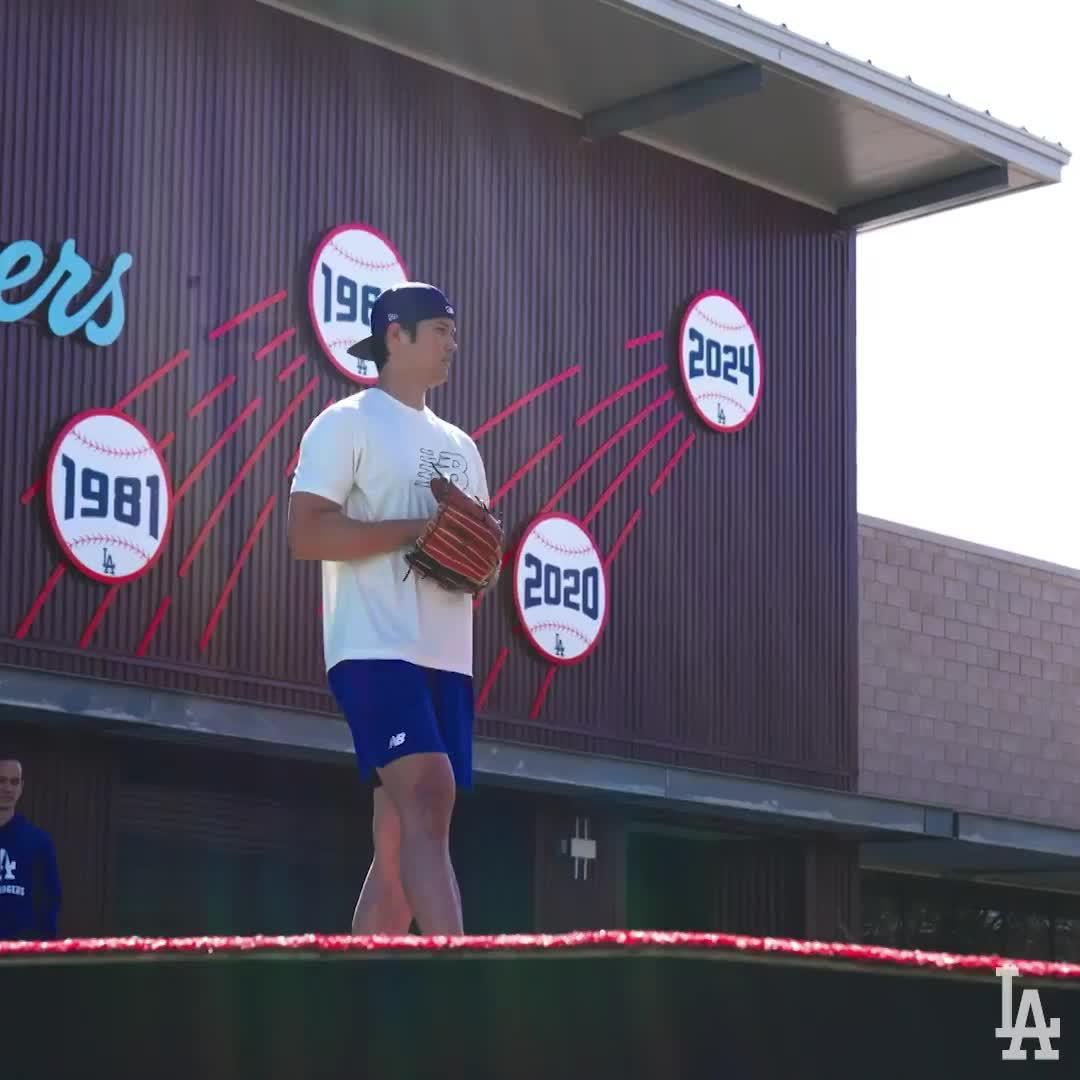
{"x":987,"y":850}
{"x":712,"y":84}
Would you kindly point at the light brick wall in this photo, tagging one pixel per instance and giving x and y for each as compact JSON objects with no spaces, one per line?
{"x":969,"y":676}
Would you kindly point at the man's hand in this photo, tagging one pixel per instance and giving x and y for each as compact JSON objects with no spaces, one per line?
{"x":461,"y":549}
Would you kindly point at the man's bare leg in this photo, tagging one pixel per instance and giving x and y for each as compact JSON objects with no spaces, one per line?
{"x":382,"y":907}
{"x":457,"y":896}
{"x":422,"y":789}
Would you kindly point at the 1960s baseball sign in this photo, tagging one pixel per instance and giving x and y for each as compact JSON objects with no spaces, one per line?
{"x":352,"y":265}
{"x":560,"y":588}
{"x":721,"y":362}
{"x":109,"y":495}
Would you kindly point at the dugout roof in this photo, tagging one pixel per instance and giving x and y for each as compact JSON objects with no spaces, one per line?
{"x":710,"y":83}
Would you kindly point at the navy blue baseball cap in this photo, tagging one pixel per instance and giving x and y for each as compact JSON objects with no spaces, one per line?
{"x":408,"y":301}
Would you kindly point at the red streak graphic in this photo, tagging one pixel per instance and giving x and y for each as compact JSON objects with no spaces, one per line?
{"x":493,"y":674}
{"x":287,"y":371}
{"x":585,"y":417}
{"x":512,"y":408}
{"x":531,"y":463}
{"x":537,"y":705}
{"x":633,"y":343}
{"x":270,"y":346}
{"x":42,"y":596}
{"x":629,"y":467}
{"x":152,"y":378}
{"x":167,"y":441}
{"x":151,"y":630}
{"x":604,"y":447}
{"x":92,"y":625}
{"x":218,"y":510}
{"x":207,"y":398}
{"x":236,"y":320}
{"x":621,"y":538}
{"x":662,"y":475}
{"x":210,"y":454}
{"x":249,"y":543}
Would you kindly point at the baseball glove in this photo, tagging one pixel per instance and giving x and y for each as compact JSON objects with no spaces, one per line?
{"x":461,"y":547}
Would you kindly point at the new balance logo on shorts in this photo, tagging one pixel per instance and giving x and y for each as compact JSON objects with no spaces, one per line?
{"x":396,"y":740}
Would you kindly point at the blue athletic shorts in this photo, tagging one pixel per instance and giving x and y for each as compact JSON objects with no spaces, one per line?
{"x":394,"y":708}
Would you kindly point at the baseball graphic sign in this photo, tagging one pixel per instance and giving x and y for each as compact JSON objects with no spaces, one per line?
{"x":560,"y":588}
{"x":353,"y":264}
{"x":720,"y":359}
{"x":109,"y":496}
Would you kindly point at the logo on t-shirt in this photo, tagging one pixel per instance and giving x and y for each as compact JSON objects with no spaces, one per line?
{"x":7,"y":873}
{"x":448,"y":463}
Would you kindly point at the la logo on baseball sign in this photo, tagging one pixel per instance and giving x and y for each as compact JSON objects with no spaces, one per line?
{"x":352,"y":265}
{"x":560,"y":588}
{"x":109,"y":496}
{"x":720,"y":359}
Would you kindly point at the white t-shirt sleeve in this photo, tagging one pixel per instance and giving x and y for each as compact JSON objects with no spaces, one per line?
{"x":328,"y":457}
{"x":482,"y":491}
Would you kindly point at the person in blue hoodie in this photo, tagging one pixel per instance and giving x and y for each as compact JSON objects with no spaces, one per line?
{"x":29,"y":877}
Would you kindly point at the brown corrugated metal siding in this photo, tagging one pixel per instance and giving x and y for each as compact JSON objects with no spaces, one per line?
{"x":218,"y":144}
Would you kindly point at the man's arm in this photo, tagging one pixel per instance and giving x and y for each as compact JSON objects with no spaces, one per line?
{"x":318,"y":529}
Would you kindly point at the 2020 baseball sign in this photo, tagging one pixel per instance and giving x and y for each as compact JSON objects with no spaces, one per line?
{"x":560,"y":588}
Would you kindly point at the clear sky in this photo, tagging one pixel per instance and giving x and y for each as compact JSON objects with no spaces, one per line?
{"x":968,"y":352}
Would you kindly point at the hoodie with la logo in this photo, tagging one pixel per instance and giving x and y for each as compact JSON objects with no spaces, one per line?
{"x":29,"y":883}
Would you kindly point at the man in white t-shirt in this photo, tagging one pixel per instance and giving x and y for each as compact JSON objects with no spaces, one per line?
{"x":397,"y":647}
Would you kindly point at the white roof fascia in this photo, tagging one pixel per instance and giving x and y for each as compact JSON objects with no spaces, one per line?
{"x":728,"y":27}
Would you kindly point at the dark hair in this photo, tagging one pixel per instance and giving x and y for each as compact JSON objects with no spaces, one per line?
{"x":378,"y":343}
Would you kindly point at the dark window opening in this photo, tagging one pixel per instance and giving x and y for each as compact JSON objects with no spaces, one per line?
{"x":966,"y":917}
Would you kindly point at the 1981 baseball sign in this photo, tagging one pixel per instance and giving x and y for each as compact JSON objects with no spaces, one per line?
{"x":109,"y":495}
